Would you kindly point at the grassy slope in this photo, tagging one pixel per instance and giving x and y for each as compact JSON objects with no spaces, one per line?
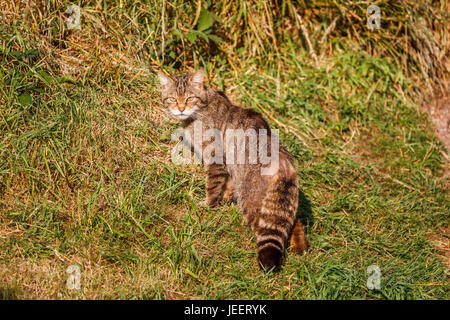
{"x":86,"y":178}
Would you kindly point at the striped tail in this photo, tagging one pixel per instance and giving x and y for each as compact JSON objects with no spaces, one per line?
{"x":275,"y":222}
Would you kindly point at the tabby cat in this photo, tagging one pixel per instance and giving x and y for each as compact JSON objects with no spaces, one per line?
{"x":269,"y":202}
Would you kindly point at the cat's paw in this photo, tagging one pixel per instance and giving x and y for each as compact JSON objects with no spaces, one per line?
{"x":228,"y":198}
{"x":205,"y":204}
{"x":209,"y":203}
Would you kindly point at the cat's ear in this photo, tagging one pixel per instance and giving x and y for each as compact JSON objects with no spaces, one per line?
{"x":164,"y":79}
{"x":197,"y":78}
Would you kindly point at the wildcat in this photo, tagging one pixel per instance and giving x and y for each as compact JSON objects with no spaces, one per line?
{"x":269,"y":202}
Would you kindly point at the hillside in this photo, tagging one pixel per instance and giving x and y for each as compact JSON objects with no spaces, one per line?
{"x":86,"y":176}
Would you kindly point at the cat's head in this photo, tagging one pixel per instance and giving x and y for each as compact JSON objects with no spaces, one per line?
{"x":183,"y":96}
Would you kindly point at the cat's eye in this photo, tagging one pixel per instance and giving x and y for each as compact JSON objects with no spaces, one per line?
{"x":171,"y":100}
{"x":190,"y":99}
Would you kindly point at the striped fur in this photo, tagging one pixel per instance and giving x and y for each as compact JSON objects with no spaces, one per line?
{"x":276,"y":219}
{"x":269,"y":203}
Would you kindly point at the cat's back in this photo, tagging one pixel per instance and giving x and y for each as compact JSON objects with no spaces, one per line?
{"x":236,"y":117}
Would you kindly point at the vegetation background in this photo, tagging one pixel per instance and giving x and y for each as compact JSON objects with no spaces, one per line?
{"x":86,"y":176}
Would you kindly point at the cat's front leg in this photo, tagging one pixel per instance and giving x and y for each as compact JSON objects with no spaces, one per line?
{"x":216,"y":179}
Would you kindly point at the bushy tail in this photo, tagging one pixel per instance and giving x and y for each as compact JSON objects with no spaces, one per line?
{"x":276,"y":221}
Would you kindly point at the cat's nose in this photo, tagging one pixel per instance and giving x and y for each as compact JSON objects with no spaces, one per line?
{"x":181,"y":108}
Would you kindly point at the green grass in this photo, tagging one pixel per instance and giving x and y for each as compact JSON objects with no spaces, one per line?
{"x":86,"y":176}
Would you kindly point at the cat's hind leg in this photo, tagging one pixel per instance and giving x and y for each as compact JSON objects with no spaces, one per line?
{"x":228,"y":191}
{"x":216,"y":181}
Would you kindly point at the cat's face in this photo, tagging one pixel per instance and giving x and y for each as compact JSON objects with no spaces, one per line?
{"x":183,"y":96}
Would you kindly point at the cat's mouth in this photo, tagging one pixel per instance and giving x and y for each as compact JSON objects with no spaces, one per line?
{"x":183,"y":115}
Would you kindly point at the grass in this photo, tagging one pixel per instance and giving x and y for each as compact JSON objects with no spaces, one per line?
{"x":86,"y":176}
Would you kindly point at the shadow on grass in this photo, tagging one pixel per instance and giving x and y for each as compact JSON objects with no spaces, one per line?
{"x":304,"y":212}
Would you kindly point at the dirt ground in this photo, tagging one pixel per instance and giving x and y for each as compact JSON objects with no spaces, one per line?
{"x":439,"y":111}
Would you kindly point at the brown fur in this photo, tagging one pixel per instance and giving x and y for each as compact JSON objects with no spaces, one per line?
{"x":298,"y":239}
{"x":269,"y":202}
